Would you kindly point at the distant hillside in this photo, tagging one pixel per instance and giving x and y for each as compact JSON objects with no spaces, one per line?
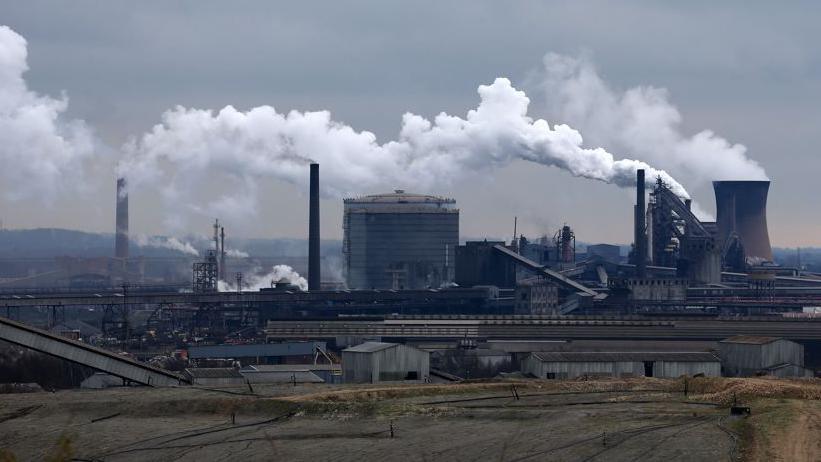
{"x":49,"y":242}
{"x":52,"y":242}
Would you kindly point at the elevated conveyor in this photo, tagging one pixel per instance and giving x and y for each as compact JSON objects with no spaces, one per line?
{"x":558,"y":278}
{"x":87,"y":355}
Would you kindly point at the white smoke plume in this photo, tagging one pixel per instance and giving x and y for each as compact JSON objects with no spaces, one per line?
{"x":235,"y":253}
{"x":190,"y":144}
{"x":171,"y":243}
{"x":255,"y":281}
{"x":41,"y":152}
{"x":640,"y":121}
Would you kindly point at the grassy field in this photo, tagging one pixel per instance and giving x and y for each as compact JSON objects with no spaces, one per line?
{"x":604,"y":420}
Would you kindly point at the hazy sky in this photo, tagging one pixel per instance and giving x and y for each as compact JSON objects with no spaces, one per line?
{"x":748,"y":71}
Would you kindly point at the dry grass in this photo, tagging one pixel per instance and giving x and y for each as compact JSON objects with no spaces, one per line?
{"x":724,"y":390}
{"x":382,"y":392}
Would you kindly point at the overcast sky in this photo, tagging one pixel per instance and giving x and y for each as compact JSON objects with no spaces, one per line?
{"x":748,"y":71}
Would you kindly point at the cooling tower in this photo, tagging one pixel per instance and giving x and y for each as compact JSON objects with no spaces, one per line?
{"x":314,"y":278}
{"x":741,"y":208}
{"x":121,"y":236}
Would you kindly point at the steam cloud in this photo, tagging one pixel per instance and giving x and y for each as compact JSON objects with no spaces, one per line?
{"x":263,"y":143}
{"x":641,"y":121}
{"x":236,"y":253}
{"x":166,"y":243}
{"x":254,"y":282}
{"x":41,"y":152}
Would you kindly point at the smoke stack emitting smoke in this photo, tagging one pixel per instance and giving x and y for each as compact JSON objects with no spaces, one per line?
{"x":182,"y":153}
{"x":427,"y":155}
{"x":121,"y":235}
{"x":640,"y":121}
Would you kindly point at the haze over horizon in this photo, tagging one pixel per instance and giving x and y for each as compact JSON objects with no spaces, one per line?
{"x":700,"y":92}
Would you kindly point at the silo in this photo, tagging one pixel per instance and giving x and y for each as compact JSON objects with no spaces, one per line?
{"x":741,"y":209}
{"x":399,"y":241}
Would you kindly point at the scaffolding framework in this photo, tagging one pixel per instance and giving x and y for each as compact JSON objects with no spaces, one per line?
{"x":206,"y":274}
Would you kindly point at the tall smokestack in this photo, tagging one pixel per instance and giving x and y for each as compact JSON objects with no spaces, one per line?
{"x":314,"y":277}
{"x":121,"y":236}
{"x":640,"y":231}
{"x":741,"y":208}
{"x":222,"y":269}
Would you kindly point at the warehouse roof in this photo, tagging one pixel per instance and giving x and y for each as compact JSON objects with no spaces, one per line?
{"x":612,"y":356}
{"x":292,"y":367}
{"x":370,"y":347}
{"x":255,"y":350}
{"x":750,"y":339}
{"x":213,"y":373}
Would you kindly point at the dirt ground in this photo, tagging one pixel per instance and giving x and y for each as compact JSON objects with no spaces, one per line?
{"x":605,"y":420}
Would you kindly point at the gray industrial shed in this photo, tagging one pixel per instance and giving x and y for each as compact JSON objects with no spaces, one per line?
{"x":373,"y":362}
{"x":744,"y":356}
{"x":569,"y":365}
{"x":261,"y":353}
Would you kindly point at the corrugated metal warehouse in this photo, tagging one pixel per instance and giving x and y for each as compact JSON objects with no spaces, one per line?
{"x":399,"y":241}
{"x":260,"y":353}
{"x":569,"y":365}
{"x":744,"y":356}
{"x":373,"y":362}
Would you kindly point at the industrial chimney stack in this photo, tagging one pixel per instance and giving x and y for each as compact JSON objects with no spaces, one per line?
{"x":640,"y":239}
{"x":314,"y":276}
{"x":741,"y":208}
{"x":121,"y":236}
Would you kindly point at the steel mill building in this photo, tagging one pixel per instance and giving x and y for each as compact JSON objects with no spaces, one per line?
{"x":399,"y":241}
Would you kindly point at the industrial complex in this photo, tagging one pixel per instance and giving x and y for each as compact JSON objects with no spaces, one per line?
{"x":484,"y":332}
{"x":691,"y":297}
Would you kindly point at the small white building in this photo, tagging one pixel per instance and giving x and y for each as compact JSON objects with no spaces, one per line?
{"x":746,"y":355}
{"x":373,"y":362}
{"x":570,"y":365}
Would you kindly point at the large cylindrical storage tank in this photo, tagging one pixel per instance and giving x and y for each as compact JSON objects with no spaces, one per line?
{"x":399,"y":241}
{"x":741,"y":207}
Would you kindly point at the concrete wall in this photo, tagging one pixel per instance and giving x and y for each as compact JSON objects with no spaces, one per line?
{"x":218,"y":381}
